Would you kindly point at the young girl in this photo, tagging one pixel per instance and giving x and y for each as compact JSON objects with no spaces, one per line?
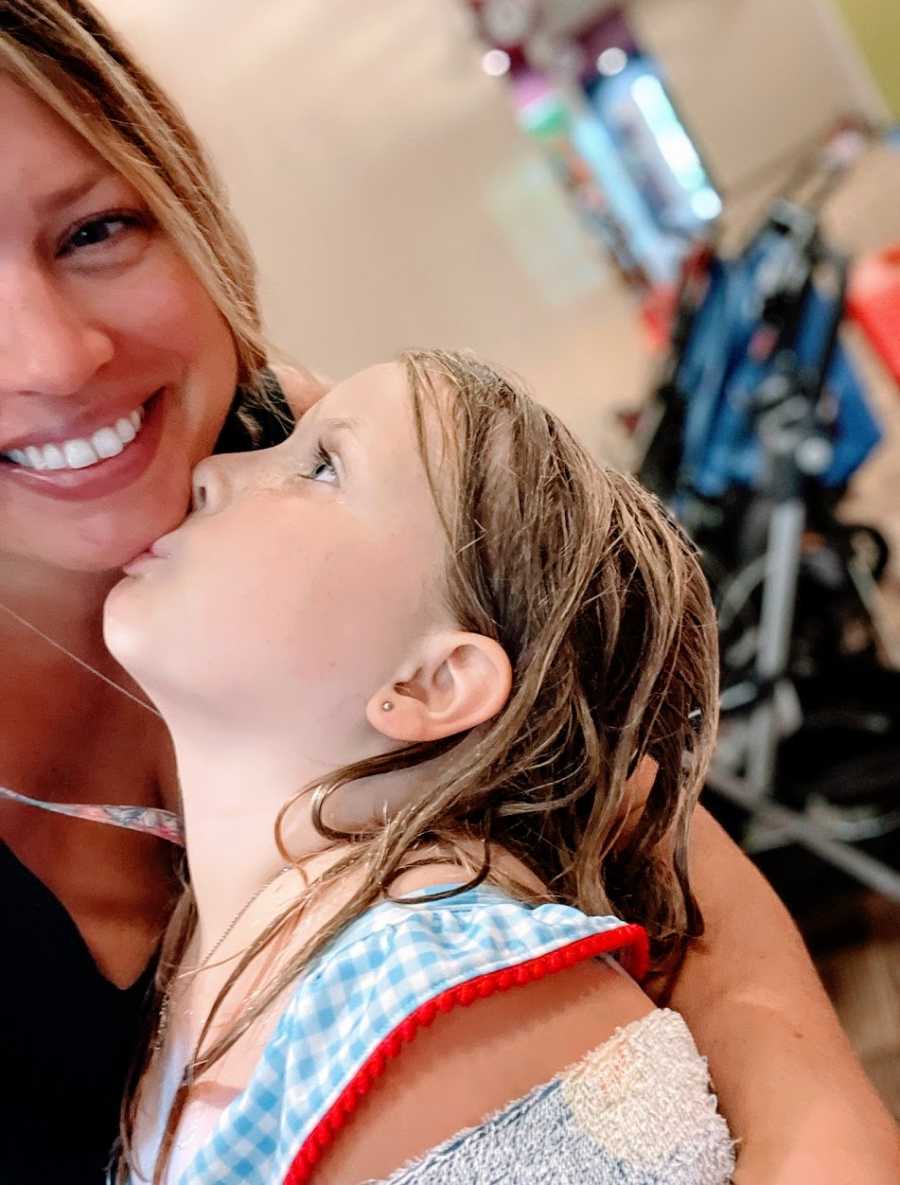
{"x":502,"y":639}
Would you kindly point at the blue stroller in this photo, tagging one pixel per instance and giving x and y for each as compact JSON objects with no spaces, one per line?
{"x":751,"y":436}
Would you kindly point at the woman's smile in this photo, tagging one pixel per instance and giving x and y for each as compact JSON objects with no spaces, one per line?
{"x":90,"y":466}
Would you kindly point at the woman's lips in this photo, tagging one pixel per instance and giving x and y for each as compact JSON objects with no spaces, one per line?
{"x":106,"y":477}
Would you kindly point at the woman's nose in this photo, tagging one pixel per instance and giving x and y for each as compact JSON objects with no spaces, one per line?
{"x":47,"y":346}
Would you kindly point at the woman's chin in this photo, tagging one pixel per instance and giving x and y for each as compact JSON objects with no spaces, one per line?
{"x":123,"y":545}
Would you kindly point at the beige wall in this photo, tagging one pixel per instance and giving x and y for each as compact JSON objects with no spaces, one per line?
{"x":381,"y":174}
{"x":875,"y":24}
{"x":755,"y":78}
{"x":373,"y":164}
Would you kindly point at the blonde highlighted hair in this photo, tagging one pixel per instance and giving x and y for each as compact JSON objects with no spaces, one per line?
{"x":599,"y":601}
{"x":68,"y":57}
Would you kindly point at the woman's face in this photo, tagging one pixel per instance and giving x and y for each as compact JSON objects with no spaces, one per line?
{"x":303,"y":576}
{"x":116,"y":369}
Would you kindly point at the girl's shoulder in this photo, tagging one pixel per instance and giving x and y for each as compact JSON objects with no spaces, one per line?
{"x":385,"y":980}
{"x":400,"y":965}
{"x":635,"y":1107}
{"x":454,"y":1029}
{"x":445,"y":937}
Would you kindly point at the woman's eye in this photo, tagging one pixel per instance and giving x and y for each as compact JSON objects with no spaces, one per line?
{"x":98,"y":231}
{"x":323,"y":468}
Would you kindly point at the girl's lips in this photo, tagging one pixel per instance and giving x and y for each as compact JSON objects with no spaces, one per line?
{"x":155,"y":552}
{"x":140,"y":563}
{"x":106,"y":477}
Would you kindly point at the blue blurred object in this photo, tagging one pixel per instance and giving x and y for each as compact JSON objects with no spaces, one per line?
{"x":720,"y":376}
{"x":758,"y":420}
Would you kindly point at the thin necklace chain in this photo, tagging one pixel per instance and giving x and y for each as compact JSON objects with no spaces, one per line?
{"x":206,"y":964}
{"x":80,"y":661}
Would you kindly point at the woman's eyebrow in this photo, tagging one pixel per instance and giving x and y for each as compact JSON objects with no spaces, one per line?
{"x":58,"y":199}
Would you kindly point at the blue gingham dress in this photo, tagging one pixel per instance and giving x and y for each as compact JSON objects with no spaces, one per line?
{"x":385,"y":976}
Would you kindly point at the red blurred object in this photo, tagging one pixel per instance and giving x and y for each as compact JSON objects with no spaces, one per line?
{"x":873,"y":301}
{"x":666,"y":310}
{"x":658,"y":314}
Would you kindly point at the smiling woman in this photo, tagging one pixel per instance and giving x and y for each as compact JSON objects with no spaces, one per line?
{"x":118,"y":368}
{"x":129,"y":349}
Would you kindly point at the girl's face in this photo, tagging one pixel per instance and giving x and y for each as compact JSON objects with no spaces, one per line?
{"x":303,"y":576}
{"x":116,"y":369}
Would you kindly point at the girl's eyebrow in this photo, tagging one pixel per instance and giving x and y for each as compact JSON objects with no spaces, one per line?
{"x":341,"y":425}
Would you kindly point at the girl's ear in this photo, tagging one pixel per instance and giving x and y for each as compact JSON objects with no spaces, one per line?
{"x":455,"y":681}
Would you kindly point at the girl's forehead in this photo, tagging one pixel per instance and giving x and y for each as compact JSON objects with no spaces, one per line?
{"x":380,"y":389}
{"x":373,"y":414}
{"x":375,"y":403}
{"x":375,"y":408}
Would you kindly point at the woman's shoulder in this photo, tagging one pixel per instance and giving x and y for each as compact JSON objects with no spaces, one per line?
{"x":267,"y":417}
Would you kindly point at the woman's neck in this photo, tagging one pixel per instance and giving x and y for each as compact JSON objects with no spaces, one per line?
{"x":65,"y":733}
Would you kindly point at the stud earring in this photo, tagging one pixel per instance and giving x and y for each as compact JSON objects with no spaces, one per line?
{"x":387,"y":706}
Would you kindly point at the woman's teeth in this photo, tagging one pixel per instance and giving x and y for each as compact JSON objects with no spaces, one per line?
{"x":79,"y":453}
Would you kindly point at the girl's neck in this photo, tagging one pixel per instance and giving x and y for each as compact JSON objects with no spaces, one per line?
{"x":234,"y":782}
{"x":232,"y":792}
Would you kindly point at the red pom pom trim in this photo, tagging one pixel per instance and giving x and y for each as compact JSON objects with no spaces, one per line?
{"x":630,"y":942}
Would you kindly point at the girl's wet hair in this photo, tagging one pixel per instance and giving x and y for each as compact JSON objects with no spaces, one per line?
{"x":601,"y":606}
{"x":68,"y":57}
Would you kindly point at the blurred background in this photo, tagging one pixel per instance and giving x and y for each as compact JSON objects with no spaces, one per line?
{"x":678,"y":221}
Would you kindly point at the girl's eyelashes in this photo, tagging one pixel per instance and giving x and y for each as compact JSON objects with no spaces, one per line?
{"x":323,"y":467}
{"x":101,"y":232}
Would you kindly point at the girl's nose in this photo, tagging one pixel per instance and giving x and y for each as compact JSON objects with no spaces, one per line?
{"x":47,"y":346}
{"x":210,"y":486}
{"x":220,"y":479}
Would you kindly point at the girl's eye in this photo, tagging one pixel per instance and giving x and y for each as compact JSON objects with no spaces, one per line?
{"x":96,"y":232}
{"x":323,"y":468}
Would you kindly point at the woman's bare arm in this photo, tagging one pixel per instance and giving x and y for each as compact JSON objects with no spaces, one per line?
{"x":788,"y":1081}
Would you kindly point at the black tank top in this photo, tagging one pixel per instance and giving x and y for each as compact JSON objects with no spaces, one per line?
{"x":66,"y":1042}
{"x":68,"y":1035}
